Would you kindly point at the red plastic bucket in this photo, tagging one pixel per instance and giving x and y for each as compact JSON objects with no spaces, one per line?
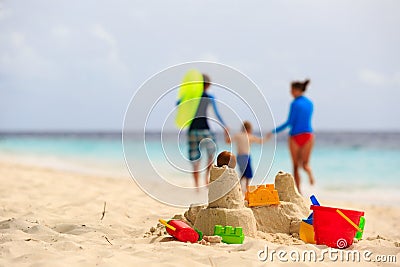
{"x":183,"y":231}
{"x":333,"y":230}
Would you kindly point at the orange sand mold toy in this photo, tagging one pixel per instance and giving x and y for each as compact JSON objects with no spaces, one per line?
{"x":260,"y":195}
{"x":307,"y":232}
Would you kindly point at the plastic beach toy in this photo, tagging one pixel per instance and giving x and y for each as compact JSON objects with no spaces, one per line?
{"x":306,"y":232}
{"x":189,"y":96}
{"x":361,"y":225}
{"x":349,"y":220}
{"x":330,"y":227}
{"x":260,"y":195}
{"x":315,"y":202}
{"x":229,"y":234}
{"x":181,"y":231}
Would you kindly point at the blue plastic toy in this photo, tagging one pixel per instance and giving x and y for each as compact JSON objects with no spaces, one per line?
{"x":315,"y":202}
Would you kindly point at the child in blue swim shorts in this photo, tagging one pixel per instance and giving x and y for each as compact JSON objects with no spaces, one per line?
{"x":243,"y":141}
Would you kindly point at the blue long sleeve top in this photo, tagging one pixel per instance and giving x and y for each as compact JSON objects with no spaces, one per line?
{"x":299,"y":119}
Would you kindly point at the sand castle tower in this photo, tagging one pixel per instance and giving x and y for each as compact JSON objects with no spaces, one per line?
{"x":285,"y":217}
{"x":228,"y":209}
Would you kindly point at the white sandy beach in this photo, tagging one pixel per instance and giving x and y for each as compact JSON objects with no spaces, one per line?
{"x":53,"y":218}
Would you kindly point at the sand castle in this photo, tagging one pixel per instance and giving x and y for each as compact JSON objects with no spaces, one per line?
{"x":230,"y":209}
{"x":227,"y":210}
{"x":285,"y":217}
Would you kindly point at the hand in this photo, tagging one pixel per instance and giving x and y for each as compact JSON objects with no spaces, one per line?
{"x":268,"y":136}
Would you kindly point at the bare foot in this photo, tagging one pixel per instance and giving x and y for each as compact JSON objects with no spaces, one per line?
{"x":311,"y":179}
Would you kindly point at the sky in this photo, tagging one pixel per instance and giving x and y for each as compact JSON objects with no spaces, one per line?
{"x":74,"y":65}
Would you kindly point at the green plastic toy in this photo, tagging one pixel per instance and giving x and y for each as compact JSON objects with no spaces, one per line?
{"x":229,"y":234}
{"x":200,"y":234}
{"x":361,"y":225}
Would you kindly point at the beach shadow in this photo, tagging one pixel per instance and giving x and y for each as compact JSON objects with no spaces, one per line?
{"x":167,"y":239}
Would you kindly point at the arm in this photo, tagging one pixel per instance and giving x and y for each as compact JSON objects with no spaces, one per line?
{"x":255,"y":139}
{"x":228,"y":139}
{"x":258,"y":140}
{"x":289,"y":121}
{"x":214,"y":105}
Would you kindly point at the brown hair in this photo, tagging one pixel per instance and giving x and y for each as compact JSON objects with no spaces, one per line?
{"x":206,"y":81}
{"x":300,"y":85}
{"x":246,"y":126}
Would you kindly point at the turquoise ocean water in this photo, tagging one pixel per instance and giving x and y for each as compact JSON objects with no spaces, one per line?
{"x":347,"y":166}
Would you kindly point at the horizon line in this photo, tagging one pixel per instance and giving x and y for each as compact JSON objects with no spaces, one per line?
{"x":114,"y":132}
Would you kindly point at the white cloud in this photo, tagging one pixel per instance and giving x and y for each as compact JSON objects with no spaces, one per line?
{"x":18,"y":39}
{"x":5,"y":12}
{"x":18,"y":58}
{"x":375,"y":78}
{"x":101,"y":33}
{"x":105,"y":36}
{"x":61,"y":31}
{"x":113,"y":53}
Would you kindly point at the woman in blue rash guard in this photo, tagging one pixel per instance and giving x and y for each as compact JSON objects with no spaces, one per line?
{"x":301,"y":140}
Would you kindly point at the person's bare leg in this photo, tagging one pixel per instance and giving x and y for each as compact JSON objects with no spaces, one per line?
{"x":305,"y":157}
{"x":244,"y":189}
{"x":294,"y":152}
{"x":196,"y":174}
